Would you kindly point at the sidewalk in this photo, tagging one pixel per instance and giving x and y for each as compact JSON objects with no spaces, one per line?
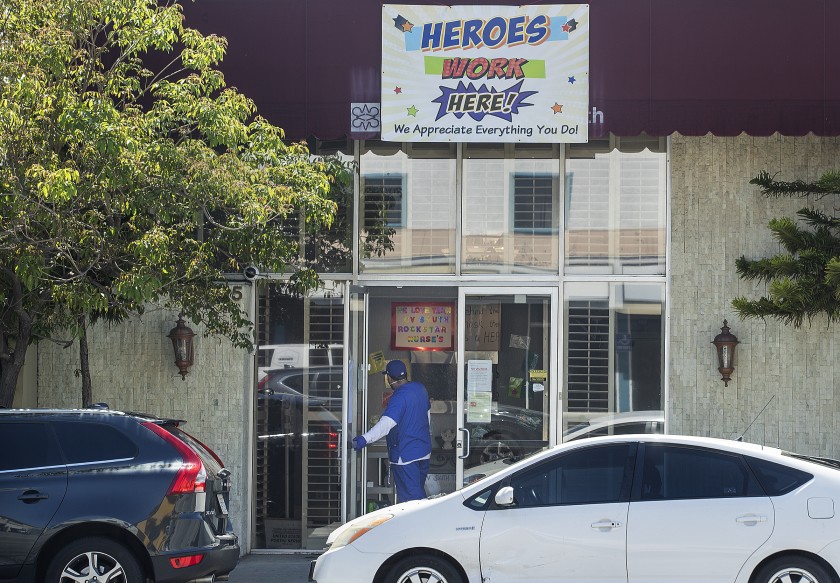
{"x":273,"y":568}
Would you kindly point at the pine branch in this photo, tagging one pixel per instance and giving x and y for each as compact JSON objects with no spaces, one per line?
{"x":766,"y":270}
{"x":829,"y":183}
{"x":832,"y":275}
{"x":818,"y":219}
{"x":763,"y":308}
{"x":790,"y":235}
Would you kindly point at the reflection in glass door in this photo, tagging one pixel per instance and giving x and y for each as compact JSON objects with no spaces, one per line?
{"x":416,"y":326}
{"x":507,"y":381}
{"x":353,"y":486}
{"x":297,"y":414}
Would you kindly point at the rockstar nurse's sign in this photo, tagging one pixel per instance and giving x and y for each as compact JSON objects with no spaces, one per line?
{"x":485,"y":73}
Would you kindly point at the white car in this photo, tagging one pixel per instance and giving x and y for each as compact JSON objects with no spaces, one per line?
{"x":628,"y":509}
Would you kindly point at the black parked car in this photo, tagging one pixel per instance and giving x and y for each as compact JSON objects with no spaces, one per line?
{"x":110,"y":497}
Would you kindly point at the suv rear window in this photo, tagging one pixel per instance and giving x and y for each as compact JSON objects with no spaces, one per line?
{"x":92,"y":442}
{"x":35,"y":447}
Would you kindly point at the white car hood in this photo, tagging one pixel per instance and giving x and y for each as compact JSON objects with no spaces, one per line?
{"x":395,"y":510}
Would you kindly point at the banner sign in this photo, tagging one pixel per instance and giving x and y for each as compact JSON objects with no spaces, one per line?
{"x":485,"y":73}
{"x":423,"y":326}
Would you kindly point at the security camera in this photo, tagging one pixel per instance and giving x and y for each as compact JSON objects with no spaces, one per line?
{"x":251,"y":273}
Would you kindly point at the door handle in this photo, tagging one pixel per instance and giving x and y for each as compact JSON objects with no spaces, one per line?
{"x":466,"y":443}
{"x":751,"y":519}
{"x":606,"y":524}
{"x":32,"y":496}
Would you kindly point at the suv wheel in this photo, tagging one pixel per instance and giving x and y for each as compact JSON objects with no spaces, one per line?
{"x":95,"y":559}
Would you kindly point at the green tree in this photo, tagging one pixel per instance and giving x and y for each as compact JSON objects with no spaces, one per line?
{"x":804,"y":280}
{"x":130,"y":174}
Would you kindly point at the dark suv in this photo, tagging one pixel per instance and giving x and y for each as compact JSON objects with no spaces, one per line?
{"x":110,"y":497}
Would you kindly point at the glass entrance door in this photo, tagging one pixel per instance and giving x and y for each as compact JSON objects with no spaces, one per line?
{"x":355,"y":401}
{"x":507,"y":377}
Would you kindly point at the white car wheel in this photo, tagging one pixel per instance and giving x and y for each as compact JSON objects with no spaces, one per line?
{"x":423,"y":569}
{"x":793,"y":570}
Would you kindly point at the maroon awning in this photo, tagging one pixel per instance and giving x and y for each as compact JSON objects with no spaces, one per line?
{"x":656,"y":66}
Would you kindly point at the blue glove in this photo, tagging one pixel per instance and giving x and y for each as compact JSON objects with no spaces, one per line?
{"x":359,"y":442}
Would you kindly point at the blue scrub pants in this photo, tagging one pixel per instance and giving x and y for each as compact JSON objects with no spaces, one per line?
{"x":410,"y":479}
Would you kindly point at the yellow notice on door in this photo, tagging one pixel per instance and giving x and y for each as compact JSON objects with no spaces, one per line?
{"x":538,"y":375}
{"x":376,"y":361}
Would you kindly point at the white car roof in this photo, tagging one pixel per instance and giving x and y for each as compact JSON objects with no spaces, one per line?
{"x":734,"y":446}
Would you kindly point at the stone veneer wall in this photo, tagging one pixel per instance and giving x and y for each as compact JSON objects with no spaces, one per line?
{"x":133,"y":369}
{"x":716,"y":217}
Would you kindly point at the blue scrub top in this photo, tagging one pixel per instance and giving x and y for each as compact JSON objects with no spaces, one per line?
{"x":410,"y":439}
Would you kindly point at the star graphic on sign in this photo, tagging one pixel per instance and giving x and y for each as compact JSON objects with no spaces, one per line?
{"x":397,"y":90}
{"x":402,"y":24}
{"x":557,"y":108}
{"x":412,"y":111}
{"x":572,"y":24}
{"x":566,"y":27}
{"x":572,"y":79}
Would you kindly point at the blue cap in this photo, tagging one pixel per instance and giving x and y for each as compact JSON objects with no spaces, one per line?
{"x":396,"y":370}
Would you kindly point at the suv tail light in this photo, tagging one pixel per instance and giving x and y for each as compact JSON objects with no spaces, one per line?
{"x":206,"y":448}
{"x":188,"y":561}
{"x":191,"y":476}
{"x":261,"y":385}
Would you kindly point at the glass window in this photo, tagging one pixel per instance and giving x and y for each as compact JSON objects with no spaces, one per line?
{"x":591,"y":475}
{"x":294,"y":381}
{"x":36,"y":447}
{"x":533,"y":202}
{"x":615,"y":347}
{"x":673,"y":473}
{"x":510,"y":209}
{"x":777,"y":479}
{"x":481,"y":500}
{"x":408,"y":208}
{"x":92,"y":442}
{"x":615,"y":207}
{"x":324,"y":248}
{"x":384,"y":207}
{"x":330,"y":249}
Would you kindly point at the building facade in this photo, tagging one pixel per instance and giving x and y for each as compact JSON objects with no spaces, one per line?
{"x":532,"y":287}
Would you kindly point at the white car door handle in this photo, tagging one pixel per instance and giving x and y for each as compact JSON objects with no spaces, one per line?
{"x":606,"y":524}
{"x":751,"y":519}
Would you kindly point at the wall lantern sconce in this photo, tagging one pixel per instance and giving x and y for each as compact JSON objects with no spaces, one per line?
{"x":182,"y":342}
{"x":725,"y":344}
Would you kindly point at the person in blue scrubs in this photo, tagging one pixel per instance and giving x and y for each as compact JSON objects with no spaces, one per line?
{"x":405,"y":426}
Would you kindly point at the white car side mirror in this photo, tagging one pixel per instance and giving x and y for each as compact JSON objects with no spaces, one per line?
{"x":504,"y":497}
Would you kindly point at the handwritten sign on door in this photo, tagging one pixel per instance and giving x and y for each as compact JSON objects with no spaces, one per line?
{"x":423,"y":326}
{"x":483,"y":326}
